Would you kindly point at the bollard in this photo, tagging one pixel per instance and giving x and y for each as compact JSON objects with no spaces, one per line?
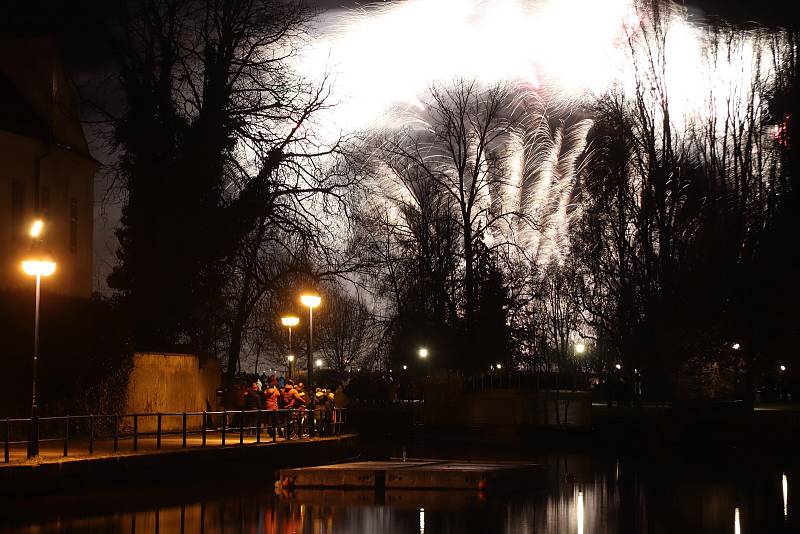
{"x":158,"y":431}
{"x":66,"y":436}
{"x":288,"y":425}
{"x":274,"y":423}
{"x":204,"y":427}
{"x":241,"y":428}
{"x":184,"y":430}
{"x":135,"y":432}
{"x":258,"y":426}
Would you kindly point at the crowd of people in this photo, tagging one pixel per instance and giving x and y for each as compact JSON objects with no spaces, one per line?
{"x":287,"y":402}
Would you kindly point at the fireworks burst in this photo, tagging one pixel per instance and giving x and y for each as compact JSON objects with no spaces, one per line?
{"x":384,"y":59}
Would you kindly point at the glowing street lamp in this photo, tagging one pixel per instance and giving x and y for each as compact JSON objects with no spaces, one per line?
{"x":311,"y":301}
{"x":782,"y":368}
{"x":423,"y":353}
{"x":319,"y":363}
{"x":289,"y":322}
{"x":735,"y":346}
{"x":618,"y":367}
{"x":38,"y":264}
{"x":405,"y":367}
{"x":580,"y":348}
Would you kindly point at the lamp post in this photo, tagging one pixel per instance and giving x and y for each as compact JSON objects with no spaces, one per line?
{"x":38,"y":264}
{"x":290,"y":321}
{"x":311,"y":301}
{"x":423,"y":353}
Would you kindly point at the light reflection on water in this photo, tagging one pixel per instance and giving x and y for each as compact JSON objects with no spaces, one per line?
{"x":584,"y":496}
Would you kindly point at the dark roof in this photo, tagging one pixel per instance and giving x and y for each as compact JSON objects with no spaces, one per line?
{"x":16,"y":113}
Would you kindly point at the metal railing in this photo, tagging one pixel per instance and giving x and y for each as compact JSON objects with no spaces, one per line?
{"x":231,"y":427}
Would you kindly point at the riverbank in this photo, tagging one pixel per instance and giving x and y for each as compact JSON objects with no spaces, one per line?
{"x":153,"y":467}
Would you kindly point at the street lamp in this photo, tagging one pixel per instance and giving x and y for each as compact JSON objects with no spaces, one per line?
{"x":782,"y":368}
{"x":289,"y":322}
{"x":423,"y":352}
{"x":618,"y":367}
{"x":498,"y":366}
{"x":37,"y":264}
{"x":580,"y":348}
{"x":311,"y":301}
{"x":319,"y":363}
{"x":290,"y":359}
{"x":735,"y":346}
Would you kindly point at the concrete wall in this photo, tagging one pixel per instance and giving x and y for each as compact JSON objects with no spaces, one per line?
{"x":171,"y":383}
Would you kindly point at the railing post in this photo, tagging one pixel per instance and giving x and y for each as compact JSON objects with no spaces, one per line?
{"x":66,"y":436}
{"x":91,"y":434}
{"x":184,"y":430}
{"x":33,"y":435}
{"x":205,"y":420}
{"x":224,"y":424}
{"x":135,"y":432}
{"x":6,"y":436}
{"x":241,"y":428}
{"x":158,"y":431}
{"x":311,"y":423}
{"x":288,"y":425}
{"x":274,"y":423}
{"x":258,"y":426}
{"x":116,"y":432}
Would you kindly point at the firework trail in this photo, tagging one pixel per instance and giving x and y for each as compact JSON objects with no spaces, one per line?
{"x":557,"y":54}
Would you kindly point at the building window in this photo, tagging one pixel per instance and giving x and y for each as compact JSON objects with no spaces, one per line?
{"x":73,"y":226}
{"x":17,"y":209}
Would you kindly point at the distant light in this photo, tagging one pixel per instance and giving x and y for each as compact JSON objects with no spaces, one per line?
{"x":39,"y":267}
{"x":579,"y":512}
{"x":423,"y":352}
{"x":290,"y":321}
{"x":736,"y":346}
{"x":311,"y":301}
{"x":499,"y":366}
{"x":782,"y":368}
{"x":290,"y":358}
{"x":618,"y":366}
{"x":580,"y":348}
{"x":319,"y":362}
{"x":37,"y":227}
{"x":405,"y":367}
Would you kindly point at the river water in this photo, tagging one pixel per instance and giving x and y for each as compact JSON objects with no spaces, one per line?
{"x":584,"y":494}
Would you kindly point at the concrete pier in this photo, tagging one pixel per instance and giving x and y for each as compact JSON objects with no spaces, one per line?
{"x":415,"y":474}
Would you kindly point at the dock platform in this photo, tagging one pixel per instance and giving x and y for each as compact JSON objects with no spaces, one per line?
{"x":415,"y":474}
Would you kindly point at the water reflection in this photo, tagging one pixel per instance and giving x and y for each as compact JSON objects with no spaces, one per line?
{"x":785,"y":488}
{"x":737,"y":527}
{"x":597,"y":497}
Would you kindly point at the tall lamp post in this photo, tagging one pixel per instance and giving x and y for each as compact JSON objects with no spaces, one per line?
{"x":37,"y":264}
{"x":311,"y":301}
{"x":289,"y":322}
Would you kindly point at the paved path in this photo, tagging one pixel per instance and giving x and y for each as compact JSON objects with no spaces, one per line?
{"x":53,"y":451}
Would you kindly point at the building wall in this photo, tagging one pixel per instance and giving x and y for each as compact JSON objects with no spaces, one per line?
{"x":171,"y":383}
{"x":66,"y":196}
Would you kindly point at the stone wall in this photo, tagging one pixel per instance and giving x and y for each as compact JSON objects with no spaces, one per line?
{"x":447,"y":404}
{"x":171,"y":383}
